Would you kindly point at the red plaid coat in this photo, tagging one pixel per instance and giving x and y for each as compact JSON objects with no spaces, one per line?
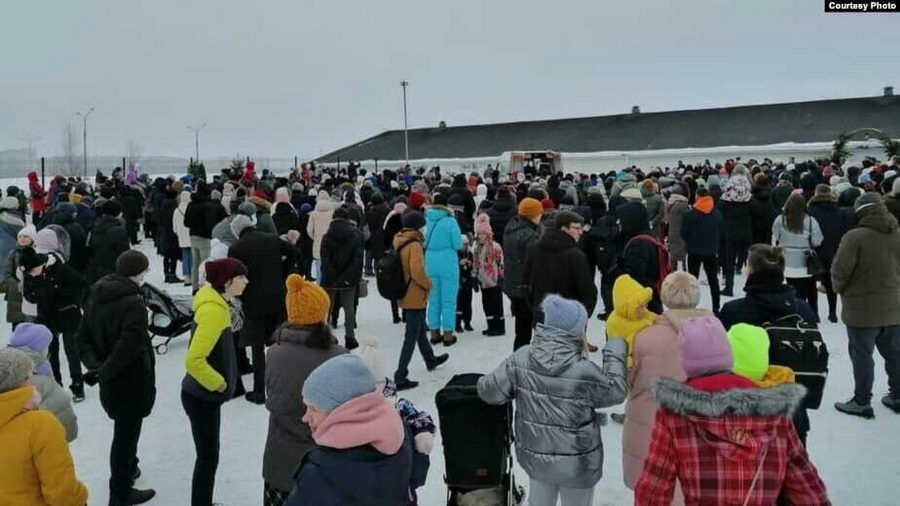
{"x":716,"y":443}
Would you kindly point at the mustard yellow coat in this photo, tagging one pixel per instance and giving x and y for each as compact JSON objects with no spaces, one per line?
{"x":36,"y":468}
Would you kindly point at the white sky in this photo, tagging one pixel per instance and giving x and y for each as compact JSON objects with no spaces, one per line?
{"x":283,"y":78}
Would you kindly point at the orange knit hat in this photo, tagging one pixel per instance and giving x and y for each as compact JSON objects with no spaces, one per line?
{"x":306,"y":302}
{"x":530,"y":208}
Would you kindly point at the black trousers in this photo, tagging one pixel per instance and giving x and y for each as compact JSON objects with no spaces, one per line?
{"x":806,"y":290}
{"x":170,"y":266}
{"x":735,"y":258}
{"x":205,"y":417}
{"x":829,"y":289}
{"x":492,"y":303}
{"x":123,"y":455}
{"x":70,"y":344}
{"x":464,"y":305}
{"x":521,"y":310}
{"x":607,"y":280}
{"x":711,"y":268}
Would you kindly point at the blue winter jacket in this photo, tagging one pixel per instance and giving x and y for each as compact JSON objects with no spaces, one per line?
{"x":443,"y":239}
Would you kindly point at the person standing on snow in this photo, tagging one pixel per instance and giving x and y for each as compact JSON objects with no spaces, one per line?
{"x":865,"y":274}
{"x":116,"y":349}
{"x":443,"y":239}
{"x":342,"y":269}
{"x":701,"y":230}
{"x":521,"y":234}
{"x":556,"y":390}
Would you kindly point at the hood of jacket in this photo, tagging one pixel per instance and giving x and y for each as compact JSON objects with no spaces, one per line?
{"x":737,"y":189}
{"x":556,"y":241}
{"x":32,"y":177}
{"x":434,"y":213}
{"x":553,"y":350}
{"x":323,"y":205}
{"x":675,"y":198}
{"x":404,"y":236}
{"x":878,"y":218}
{"x":369,"y":419}
{"x":112,"y":287}
{"x":737,"y":422}
{"x":294,"y":334}
{"x":503,"y":206}
{"x":768,"y":291}
{"x":633,"y":219}
{"x":262,"y":205}
{"x":629,"y":295}
{"x":518,"y":224}
{"x":705,"y":205}
{"x":12,"y":403}
{"x":762,"y":193}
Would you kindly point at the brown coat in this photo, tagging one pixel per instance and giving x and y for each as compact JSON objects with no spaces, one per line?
{"x":413,"y":259}
{"x":866,"y":270}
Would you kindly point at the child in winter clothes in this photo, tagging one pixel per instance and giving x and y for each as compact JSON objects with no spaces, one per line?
{"x":489,"y":274}
{"x":18,"y":309}
{"x":556,"y":389}
{"x":33,"y":340}
{"x":36,"y":463}
{"x":467,"y":285}
{"x":723,"y":439}
{"x":630,"y":315}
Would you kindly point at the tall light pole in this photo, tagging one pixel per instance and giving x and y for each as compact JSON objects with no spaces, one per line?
{"x":196,"y":131}
{"x":84,"y":116}
{"x":404,"y":84}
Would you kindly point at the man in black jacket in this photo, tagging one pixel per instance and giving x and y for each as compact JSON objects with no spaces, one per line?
{"x":263,"y":300}
{"x":501,"y":212}
{"x":107,"y":241}
{"x":342,"y":264}
{"x":201,"y":215}
{"x":556,"y":264}
{"x":701,"y":230}
{"x":521,"y":234}
{"x":116,"y":349}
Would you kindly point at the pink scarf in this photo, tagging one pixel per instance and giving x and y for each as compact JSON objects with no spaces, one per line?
{"x":368,"y":419}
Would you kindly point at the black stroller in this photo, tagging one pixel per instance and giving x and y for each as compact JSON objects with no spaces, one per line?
{"x":476,"y":438}
{"x":169,"y":317}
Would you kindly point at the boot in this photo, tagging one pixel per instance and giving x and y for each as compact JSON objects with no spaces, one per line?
{"x":728,"y":292}
{"x":438,"y":360}
{"x":468,"y":326}
{"x":892,"y":403}
{"x":77,"y":392}
{"x":256,"y":397}
{"x":459,"y":327}
{"x":592,"y":347}
{"x":350,"y":343}
{"x":851,"y":407}
{"x":832,"y":318}
{"x":134,"y":496}
{"x":406,"y":384}
{"x":436,"y":337}
{"x":449,"y":339}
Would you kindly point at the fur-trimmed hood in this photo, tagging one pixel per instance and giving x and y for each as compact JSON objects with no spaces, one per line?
{"x":680,"y":398}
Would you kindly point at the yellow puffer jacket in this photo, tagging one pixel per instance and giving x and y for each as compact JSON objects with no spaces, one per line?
{"x":626,"y":321}
{"x":36,"y":468}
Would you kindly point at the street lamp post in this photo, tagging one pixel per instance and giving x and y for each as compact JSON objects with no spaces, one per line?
{"x":404,"y":84}
{"x":196,"y":131}
{"x":84,"y":116}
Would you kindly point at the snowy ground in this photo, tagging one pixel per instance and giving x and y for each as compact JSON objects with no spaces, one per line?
{"x":857,"y":458}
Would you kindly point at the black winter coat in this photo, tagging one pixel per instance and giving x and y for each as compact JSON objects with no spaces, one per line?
{"x":392,"y":227}
{"x":132,"y":206}
{"x":892,"y":202}
{"x":113,"y":340}
{"x":762,"y":215}
{"x":202,"y":214}
{"x":58,"y":293}
{"x":285,"y":218}
{"x":342,"y":255}
{"x":702,"y":232}
{"x":375,"y":216}
{"x":262,"y":254}
{"x":738,"y":221}
{"x":108,"y":240}
{"x":780,"y":194}
{"x":78,"y":249}
{"x":555,"y":264}
{"x":168,"y":240}
{"x":468,"y":204}
{"x":832,"y":223}
{"x":519,"y":237}
{"x":500,"y":213}
{"x":766,"y":298}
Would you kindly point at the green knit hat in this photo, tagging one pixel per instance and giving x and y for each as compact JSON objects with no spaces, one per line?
{"x":750,"y":347}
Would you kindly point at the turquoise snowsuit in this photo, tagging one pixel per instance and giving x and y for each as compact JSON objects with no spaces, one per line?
{"x":442,"y":240}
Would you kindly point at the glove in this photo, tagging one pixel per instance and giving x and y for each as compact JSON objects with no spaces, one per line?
{"x":92,"y":377}
{"x":424,"y":442}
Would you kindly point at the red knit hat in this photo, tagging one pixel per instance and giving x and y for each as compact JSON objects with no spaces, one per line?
{"x":417,"y":200}
{"x":221,"y":271}
{"x":547,"y":203}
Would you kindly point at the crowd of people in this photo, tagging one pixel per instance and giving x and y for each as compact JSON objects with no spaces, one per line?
{"x":273,"y":262}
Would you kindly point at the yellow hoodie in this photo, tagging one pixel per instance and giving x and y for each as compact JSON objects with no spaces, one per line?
{"x":625,"y":322}
{"x":212,"y":316}
{"x":36,"y":468}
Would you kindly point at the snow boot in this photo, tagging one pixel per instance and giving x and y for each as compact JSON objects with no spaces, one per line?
{"x":892,"y":403}
{"x":77,"y":392}
{"x":852,"y":407}
{"x":436,"y":337}
{"x":449,"y":339}
{"x":134,"y":496}
{"x":350,"y":343}
{"x":438,"y":360}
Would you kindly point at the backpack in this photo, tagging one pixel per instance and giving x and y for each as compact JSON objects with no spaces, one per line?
{"x":662,"y":258}
{"x":389,"y":275}
{"x":798,"y":344}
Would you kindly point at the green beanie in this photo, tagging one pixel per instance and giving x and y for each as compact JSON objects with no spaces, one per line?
{"x":750,"y":346}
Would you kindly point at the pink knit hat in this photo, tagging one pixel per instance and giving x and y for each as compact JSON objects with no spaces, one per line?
{"x":704,"y":347}
{"x":483,"y":225}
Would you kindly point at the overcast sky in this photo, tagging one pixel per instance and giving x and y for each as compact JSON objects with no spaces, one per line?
{"x":283,"y":78}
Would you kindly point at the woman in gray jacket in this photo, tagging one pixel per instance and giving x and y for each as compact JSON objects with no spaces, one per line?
{"x":798,"y":233}
{"x":557,"y":388}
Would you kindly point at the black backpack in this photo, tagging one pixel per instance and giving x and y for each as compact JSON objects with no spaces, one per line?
{"x":389,"y":274}
{"x":798,"y":344}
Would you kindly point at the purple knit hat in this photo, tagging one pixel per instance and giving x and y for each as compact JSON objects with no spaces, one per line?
{"x":36,"y":338}
{"x":704,"y":347}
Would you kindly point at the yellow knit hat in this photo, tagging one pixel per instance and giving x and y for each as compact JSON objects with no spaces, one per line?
{"x":306,"y":302}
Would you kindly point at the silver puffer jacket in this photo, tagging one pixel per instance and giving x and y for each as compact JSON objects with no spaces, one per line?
{"x":556,"y":390}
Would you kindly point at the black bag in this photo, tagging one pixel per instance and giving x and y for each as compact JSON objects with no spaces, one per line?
{"x":814,"y":266}
{"x":798,"y":344}
{"x":389,"y":276}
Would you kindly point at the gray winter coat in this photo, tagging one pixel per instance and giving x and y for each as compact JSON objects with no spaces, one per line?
{"x":796,"y":245}
{"x":518,"y":238}
{"x":678,"y":207}
{"x":57,"y":401}
{"x":556,"y":389}
{"x":289,"y":363}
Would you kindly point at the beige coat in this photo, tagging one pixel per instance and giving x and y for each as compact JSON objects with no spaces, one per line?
{"x":319,"y":220}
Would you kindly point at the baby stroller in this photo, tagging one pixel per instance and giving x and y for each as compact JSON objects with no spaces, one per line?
{"x":169,"y":317}
{"x":476,"y":438}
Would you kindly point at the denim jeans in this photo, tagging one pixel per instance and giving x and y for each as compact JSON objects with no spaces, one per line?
{"x":416,"y":333}
{"x":186,"y":262}
{"x":862,"y":343}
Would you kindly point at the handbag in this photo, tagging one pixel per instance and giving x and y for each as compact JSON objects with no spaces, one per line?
{"x":814,"y":266}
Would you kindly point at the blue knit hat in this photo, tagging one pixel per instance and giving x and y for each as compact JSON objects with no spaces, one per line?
{"x":564,"y":314}
{"x":337,"y":381}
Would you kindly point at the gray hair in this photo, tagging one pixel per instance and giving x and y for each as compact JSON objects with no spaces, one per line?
{"x":680,"y":290}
